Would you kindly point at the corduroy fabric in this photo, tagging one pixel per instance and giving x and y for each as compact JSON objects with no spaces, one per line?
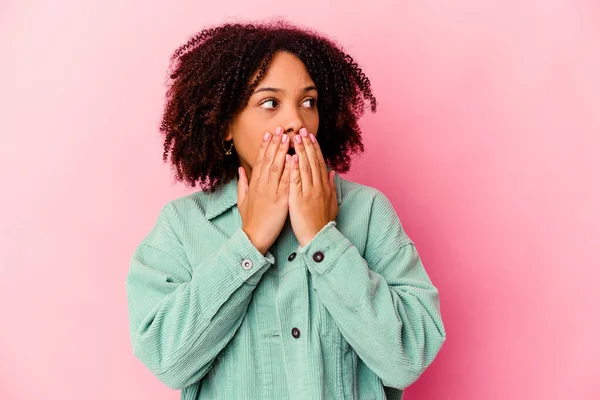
{"x":365,"y":315}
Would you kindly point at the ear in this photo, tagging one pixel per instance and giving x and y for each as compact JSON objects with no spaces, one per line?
{"x":228,"y":136}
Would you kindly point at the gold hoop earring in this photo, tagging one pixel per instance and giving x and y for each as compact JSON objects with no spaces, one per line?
{"x":227,"y":151}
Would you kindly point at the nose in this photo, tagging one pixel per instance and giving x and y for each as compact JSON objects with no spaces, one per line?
{"x":292,"y":122}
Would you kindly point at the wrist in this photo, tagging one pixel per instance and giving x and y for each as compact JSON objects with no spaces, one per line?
{"x":256,"y":243}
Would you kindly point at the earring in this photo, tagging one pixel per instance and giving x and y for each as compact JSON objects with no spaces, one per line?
{"x":227,"y":151}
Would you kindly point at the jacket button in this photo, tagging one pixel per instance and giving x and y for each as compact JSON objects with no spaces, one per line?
{"x":318,"y":256}
{"x":296,"y":333}
{"x":247,"y":264}
{"x":292,"y":256}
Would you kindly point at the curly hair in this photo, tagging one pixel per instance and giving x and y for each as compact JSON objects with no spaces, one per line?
{"x":209,"y":83}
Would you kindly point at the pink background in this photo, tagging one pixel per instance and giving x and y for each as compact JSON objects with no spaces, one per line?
{"x":486,"y":141}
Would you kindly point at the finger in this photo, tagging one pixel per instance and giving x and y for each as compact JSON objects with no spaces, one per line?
{"x":264,"y":145}
{"x":269,"y":159}
{"x":242,"y":185}
{"x":303,"y":163}
{"x":333,"y":192}
{"x":332,"y":182}
{"x":313,"y":160}
{"x":278,"y":164}
{"x":284,"y":183}
{"x":295,"y":179}
{"x":320,"y":157}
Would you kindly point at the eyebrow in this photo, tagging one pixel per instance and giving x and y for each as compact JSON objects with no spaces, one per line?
{"x":277,"y":90}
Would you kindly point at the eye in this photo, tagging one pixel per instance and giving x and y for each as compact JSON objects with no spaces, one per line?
{"x":270,"y":103}
{"x":311,"y":103}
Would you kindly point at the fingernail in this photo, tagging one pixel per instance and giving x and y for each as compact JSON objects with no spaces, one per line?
{"x":295,"y":157}
{"x":266,"y":137}
{"x":312,"y":138}
{"x":287,"y":158}
{"x":284,"y":139}
{"x":304,"y":132}
{"x":298,"y":139}
{"x":278,"y":131}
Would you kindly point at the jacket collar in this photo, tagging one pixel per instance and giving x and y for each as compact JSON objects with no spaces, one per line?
{"x":226,"y":196}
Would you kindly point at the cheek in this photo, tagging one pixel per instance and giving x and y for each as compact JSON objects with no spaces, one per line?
{"x":250,"y":129}
{"x":312,"y":124}
{"x":251,"y":146}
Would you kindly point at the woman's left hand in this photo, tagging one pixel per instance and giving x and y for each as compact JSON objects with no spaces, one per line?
{"x":312,"y":201}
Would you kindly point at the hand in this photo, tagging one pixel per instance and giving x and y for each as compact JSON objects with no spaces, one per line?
{"x":312,"y":191}
{"x":263,"y":203}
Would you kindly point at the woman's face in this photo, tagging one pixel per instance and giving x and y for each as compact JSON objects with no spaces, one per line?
{"x":286,"y":97}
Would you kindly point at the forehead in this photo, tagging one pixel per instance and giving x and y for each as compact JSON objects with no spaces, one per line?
{"x":286,"y":70}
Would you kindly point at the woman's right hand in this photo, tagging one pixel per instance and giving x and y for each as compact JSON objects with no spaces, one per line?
{"x":263,"y":203}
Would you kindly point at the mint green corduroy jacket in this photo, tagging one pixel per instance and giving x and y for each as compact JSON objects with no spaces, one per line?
{"x":351,"y":315}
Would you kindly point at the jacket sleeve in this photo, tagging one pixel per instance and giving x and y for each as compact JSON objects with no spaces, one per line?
{"x":181,"y":316}
{"x":384,"y":305}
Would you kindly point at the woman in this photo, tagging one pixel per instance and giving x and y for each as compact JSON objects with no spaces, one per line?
{"x":281,"y":280}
